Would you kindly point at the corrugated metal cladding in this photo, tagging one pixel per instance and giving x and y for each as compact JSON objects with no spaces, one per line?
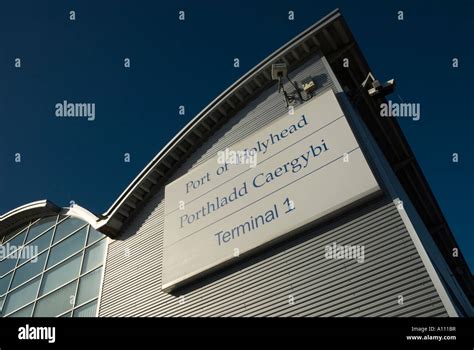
{"x":265,"y":284}
{"x":295,"y":270}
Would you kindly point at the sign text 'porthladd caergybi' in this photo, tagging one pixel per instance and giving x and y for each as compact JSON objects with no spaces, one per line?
{"x":309,"y":165}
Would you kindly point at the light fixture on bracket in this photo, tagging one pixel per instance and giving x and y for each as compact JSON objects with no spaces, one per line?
{"x":280,"y":71}
{"x":378,"y":89}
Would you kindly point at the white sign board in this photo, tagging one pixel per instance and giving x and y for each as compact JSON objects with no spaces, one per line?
{"x":309,"y":165}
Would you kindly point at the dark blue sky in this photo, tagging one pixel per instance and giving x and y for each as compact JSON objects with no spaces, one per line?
{"x":189,"y":63}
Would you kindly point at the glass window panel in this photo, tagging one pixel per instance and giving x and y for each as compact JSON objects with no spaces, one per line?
{"x":61,"y":274}
{"x":94,"y":236}
{"x":4,"y":282}
{"x":57,"y":302}
{"x":89,"y":286}
{"x":13,"y":233}
{"x":40,"y":227}
{"x":25,"y":312}
{"x":94,"y":256}
{"x":2,"y":299}
{"x":16,"y":241}
{"x":67,"y":314}
{"x":7,"y":264}
{"x":37,"y":246}
{"x":67,"y":227}
{"x":29,"y":270}
{"x":21,"y":296}
{"x":88,"y":310}
{"x":67,"y":247}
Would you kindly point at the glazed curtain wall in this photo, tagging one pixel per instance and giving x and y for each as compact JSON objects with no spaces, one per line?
{"x":51,"y":267}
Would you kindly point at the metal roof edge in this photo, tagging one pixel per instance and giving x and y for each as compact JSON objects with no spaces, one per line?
{"x":41,"y":208}
{"x":18,"y":216}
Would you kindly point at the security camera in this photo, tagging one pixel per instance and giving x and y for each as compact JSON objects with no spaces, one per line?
{"x":379,"y":90}
{"x":279,"y":70}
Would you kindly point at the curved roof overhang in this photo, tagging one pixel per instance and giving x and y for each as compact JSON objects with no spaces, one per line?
{"x":35,"y":210}
{"x":23,"y":214}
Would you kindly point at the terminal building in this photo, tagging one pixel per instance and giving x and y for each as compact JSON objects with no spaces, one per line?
{"x":288,"y":195}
